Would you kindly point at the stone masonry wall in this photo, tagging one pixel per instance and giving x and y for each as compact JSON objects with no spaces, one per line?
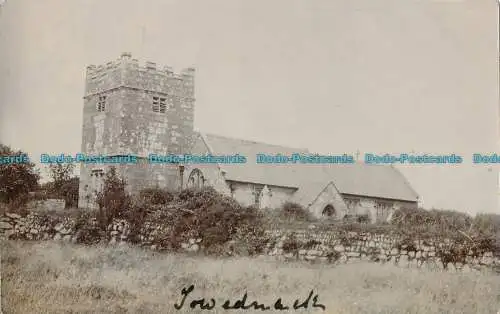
{"x":131,"y":123}
{"x":341,"y":247}
{"x":307,"y":245}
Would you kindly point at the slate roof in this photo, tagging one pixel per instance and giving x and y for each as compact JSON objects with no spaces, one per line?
{"x":310,"y":179}
{"x":381,"y":181}
{"x":275,"y":174}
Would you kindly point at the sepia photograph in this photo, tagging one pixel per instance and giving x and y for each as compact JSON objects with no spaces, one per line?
{"x":309,"y":156}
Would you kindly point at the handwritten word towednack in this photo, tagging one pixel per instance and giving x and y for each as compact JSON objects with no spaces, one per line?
{"x":243,"y":304}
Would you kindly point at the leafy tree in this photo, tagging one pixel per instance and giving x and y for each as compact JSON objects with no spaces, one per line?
{"x":64,"y":185}
{"x":16,"y":178}
{"x":60,"y":173}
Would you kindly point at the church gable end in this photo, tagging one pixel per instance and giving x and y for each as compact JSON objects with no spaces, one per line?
{"x":329,"y":203}
{"x":208,"y":174}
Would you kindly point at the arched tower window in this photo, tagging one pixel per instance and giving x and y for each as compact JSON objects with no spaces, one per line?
{"x":196,"y":179}
{"x":328,"y":211}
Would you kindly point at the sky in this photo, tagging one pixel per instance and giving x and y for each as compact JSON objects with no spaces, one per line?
{"x":332,"y":76}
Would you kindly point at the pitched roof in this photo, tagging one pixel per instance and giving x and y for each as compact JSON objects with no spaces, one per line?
{"x":358,"y":179}
{"x":384,"y":181}
{"x":270,"y":174}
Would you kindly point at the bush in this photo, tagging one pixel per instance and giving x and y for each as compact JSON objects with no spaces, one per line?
{"x":295,"y":211}
{"x":88,"y":229}
{"x":217,"y":219}
{"x":155,"y":196}
{"x":214,"y":224}
{"x":250,"y":232}
{"x":113,"y":200}
{"x":136,"y":216}
{"x":203,"y":198}
{"x":69,"y":190}
{"x":446,"y":224}
{"x":290,"y":216}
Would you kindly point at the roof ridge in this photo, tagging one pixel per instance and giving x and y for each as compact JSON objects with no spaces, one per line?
{"x":253,"y":142}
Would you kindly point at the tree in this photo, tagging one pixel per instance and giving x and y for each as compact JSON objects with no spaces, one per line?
{"x":64,"y":185}
{"x":61,"y":173}
{"x":17,"y":176}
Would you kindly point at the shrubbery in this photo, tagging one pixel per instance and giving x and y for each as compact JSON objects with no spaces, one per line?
{"x":289,"y":214}
{"x":446,"y":223}
{"x":295,"y":211}
{"x":88,"y":229}
{"x":113,"y":200}
{"x":190,"y":214}
{"x":217,"y":219}
{"x":156,"y":196}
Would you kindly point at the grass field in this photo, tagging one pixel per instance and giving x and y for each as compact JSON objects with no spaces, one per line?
{"x":48,"y":277}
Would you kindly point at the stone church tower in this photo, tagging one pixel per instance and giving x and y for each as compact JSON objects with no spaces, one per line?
{"x":135,"y":110}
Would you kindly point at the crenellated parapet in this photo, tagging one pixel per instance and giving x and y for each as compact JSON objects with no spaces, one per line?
{"x":126,"y":72}
{"x":126,"y":60}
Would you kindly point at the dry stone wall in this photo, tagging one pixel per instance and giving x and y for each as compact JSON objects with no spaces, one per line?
{"x":307,"y":245}
{"x":51,"y":204}
{"x":344,"y":247}
{"x":36,"y":226}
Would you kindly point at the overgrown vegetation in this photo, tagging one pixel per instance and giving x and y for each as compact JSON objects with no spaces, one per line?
{"x":483,"y":230}
{"x":190,"y":214}
{"x":295,"y":211}
{"x":113,"y":200}
{"x":291,"y":215}
{"x":217,"y":219}
{"x":156,"y":196}
{"x":17,"y":177}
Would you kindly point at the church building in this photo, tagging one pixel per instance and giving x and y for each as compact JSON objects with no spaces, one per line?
{"x":138,"y":110}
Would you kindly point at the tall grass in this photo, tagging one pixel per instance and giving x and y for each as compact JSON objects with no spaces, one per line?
{"x":51,"y":277}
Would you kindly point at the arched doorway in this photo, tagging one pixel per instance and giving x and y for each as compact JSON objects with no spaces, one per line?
{"x":328,"y":211}
{"x":196,"y":180}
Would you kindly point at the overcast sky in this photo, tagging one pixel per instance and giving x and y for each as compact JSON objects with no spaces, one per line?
{"x":332,"y":76}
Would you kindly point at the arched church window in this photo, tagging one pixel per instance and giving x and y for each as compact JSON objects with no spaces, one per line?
{"x":196,"y":179}
{"x":328,"y":211}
